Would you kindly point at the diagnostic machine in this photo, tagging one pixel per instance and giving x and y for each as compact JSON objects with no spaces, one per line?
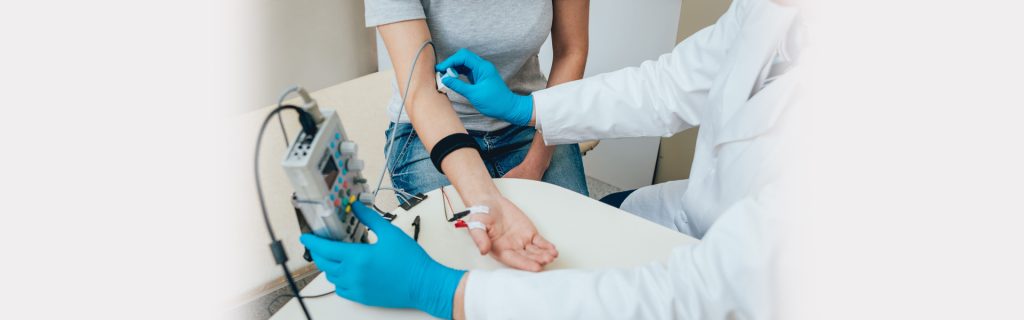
{"x":326,"y":174}
{"x":325,"y":171}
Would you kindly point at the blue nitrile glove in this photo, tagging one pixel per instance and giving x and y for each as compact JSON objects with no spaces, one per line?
{"x":395,"y":272}
{"x":486,"y":90}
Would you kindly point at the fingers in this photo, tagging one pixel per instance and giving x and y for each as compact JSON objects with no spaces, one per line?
{"x":480,"y":236}
{"x":463,"y":57}
{"x":465,"y":71}
{"x":371,"y":218}
{"x":483,"y":242}
{"x":543,"y":244}
{"x":539,"y":255}
{"x":328,"y":249}
{"x":518,"y":260}
{"x":325,"y":264}
{"x":456,"y":84}
{"x":342,"y":278}
{"x":541,"y":250}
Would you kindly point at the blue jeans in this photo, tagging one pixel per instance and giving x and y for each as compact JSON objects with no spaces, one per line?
{"x":412,"y":171}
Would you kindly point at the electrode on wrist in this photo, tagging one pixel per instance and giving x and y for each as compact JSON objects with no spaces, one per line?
{"x":469,"y":211}
{"x":448,"y":145}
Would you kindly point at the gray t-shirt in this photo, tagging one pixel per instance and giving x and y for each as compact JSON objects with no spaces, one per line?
{"x":508,"y":33}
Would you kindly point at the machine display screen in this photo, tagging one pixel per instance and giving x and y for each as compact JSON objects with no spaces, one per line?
{"x":329,"y":170}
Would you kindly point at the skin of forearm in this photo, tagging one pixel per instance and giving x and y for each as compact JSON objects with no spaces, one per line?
{"x":431,"y":113}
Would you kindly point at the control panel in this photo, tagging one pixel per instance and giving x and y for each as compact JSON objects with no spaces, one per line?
{"x":326,"y":174}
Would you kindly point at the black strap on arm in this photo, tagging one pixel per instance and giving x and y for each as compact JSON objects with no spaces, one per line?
{"x":448,"y":145}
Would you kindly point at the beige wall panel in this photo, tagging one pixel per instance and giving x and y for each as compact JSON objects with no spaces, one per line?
{"x":675,"y":154}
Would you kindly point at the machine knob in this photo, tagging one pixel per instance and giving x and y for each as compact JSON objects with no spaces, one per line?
{"x":355,"y":165}
{"x":348,"y":148}
{"x":366,"y":198}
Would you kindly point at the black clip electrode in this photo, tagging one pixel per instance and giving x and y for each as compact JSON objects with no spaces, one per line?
{"x":416,"y":229}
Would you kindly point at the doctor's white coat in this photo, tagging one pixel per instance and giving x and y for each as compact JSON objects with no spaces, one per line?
{"x":735,"y":80}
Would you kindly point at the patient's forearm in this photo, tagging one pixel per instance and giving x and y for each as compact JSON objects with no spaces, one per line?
{"x":430,"y":111}
{"x":538,"y":157}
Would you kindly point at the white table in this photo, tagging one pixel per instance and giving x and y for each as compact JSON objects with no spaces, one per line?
{"x":588,"y":234}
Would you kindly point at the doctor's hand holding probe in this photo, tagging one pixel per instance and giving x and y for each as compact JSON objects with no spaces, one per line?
{"x":735,"y":79}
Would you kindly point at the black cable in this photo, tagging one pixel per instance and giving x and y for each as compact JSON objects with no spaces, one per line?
{"x":276,"y":248}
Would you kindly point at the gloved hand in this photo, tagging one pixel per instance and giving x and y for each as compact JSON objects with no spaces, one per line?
{"x":486,"y":90}
{"x":395,"y":272}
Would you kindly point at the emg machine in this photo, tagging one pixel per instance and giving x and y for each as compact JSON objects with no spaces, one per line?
{"x":326,"y":174}
{"x":323,"y":166}
{"x":325,"y":171}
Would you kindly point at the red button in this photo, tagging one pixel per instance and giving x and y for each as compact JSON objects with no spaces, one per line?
{"x":344,"y":184}
{"x":337,"y":202}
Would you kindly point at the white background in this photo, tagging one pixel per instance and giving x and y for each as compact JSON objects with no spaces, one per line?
{"x":111,"y":173}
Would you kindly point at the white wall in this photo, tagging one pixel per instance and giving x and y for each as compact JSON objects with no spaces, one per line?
{"x":313,"y":43}
{"x":622,"y":34}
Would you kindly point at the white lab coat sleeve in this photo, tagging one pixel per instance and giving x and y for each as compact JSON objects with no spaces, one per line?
{"x":723,"y":277}
{"x":658,"y":98}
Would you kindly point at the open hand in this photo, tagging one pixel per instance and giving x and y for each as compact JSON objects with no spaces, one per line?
{"x":511,"y":237}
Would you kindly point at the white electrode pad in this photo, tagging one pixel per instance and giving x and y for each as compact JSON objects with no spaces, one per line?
{"x":440,"y":84}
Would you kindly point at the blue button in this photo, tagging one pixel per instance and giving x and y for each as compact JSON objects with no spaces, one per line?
{"x":337,"y":136}
{"x":340,"y":179}
{"x":335,"y":188}
{"x":332,"y":145}
{"x":337,"y":154}
{"x":332,"y":197}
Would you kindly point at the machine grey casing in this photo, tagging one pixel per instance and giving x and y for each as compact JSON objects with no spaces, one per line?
{"x":326,"y":175}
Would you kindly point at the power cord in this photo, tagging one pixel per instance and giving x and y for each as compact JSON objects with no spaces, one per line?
{"x":280,"y":102}
{"x":280,"y":257}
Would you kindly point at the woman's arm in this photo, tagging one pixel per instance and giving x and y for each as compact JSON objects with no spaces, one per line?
{"x":569,"y":41}
{"x":510,"y":233}
{"x":430,"y":112}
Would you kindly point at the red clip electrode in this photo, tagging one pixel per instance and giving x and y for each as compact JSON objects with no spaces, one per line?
{"x":461,"y":224}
